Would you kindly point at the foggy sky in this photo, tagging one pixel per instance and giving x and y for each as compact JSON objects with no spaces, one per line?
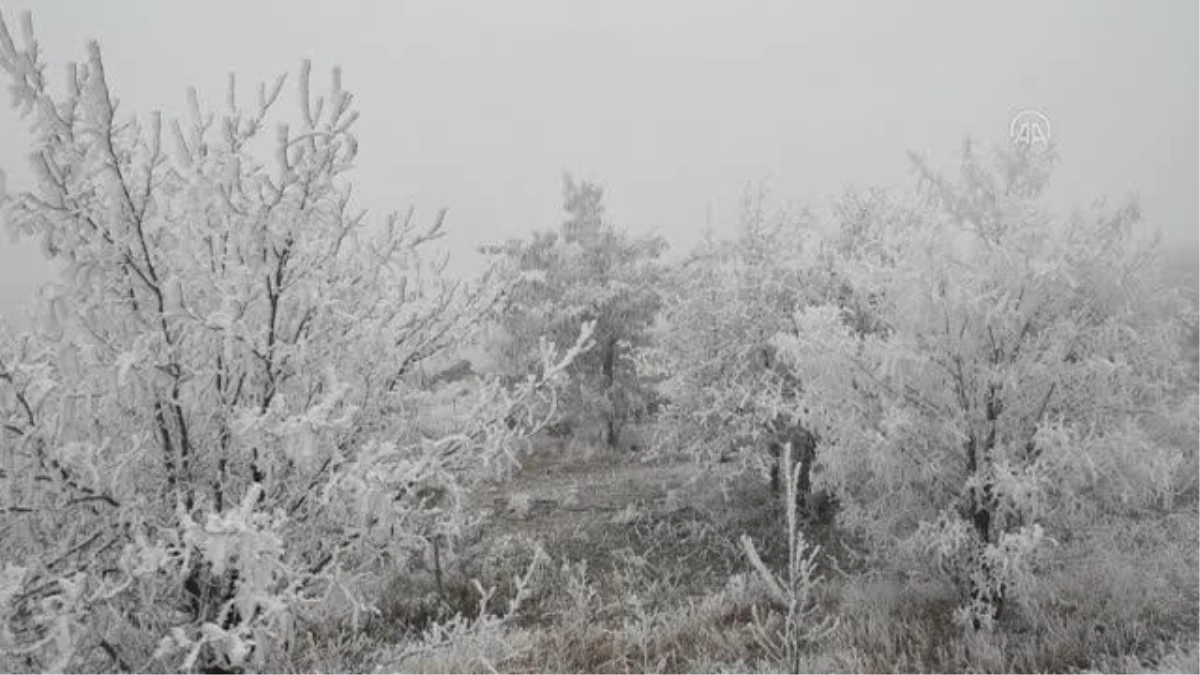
{"x":673,"y":106}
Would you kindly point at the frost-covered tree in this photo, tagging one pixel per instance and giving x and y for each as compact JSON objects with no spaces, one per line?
{"x":207,"y":437}
{"x":587,"y":272}
{"x":727,"y":392}
{"x":1026,"y":385}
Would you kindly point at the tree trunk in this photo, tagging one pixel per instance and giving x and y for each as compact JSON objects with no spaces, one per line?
{"x":804,"y":452}
{"x":982,"y":509}
{"x":609,"y":366}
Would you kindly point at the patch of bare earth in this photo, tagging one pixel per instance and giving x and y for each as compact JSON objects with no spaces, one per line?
{"x":601,"y":507}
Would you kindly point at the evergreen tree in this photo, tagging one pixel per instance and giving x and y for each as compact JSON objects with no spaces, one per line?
{"x":587,"y":272}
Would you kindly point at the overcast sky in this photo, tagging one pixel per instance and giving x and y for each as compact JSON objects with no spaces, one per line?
{"x":673,"y":106}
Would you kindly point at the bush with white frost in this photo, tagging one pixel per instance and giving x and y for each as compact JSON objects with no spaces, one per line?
{"x":794,"y":625}
{"x":1026,"y":385}
{"x":207,"y":438}
{"x":711,"y":353}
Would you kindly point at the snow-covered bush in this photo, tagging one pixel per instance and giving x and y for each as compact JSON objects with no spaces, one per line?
{"x":207,"y":436}
{"x":794,"y":624}
{"x":719,"y":372}
{"x":1019,"y":390}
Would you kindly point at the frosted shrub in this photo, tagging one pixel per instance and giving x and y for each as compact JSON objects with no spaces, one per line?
{"x":1022,"y":385}
{"x":209,"y":435}
{"x":712,"y":355}
{"x":794,"y":627}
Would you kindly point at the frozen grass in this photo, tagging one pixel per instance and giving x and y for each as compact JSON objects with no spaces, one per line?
{"x":644,"y":572}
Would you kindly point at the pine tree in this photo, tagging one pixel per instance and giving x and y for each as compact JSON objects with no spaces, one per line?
{"x":588,"y":271}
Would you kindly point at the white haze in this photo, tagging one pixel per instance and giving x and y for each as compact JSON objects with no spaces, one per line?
{"x":674,"y":106}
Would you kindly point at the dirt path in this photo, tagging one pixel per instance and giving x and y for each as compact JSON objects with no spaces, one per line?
{"x":556,"y":494}
{"x":673,"y":517}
